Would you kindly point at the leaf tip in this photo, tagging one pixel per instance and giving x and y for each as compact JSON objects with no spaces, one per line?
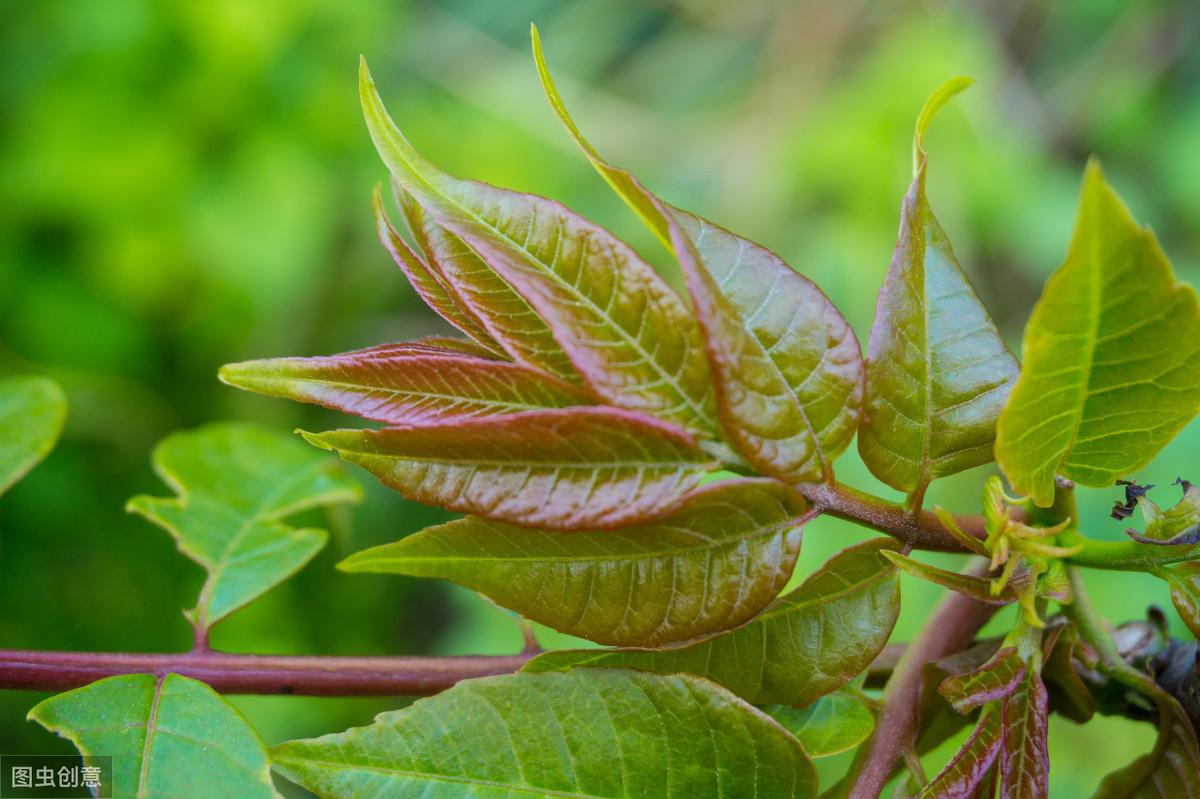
{"x":316,"y":439}
{"x":940,"y":96}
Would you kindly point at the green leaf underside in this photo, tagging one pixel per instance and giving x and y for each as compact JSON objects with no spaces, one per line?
{"x":406,"y":384}
{"x":32,"y":412}
{"x":710,"y":566}
{"x":430,"y":284}
{"x":969,"y":766}
{"x":235,"y":485}
{"x":1111,"y":357}
{"x":938,"y":372}
{"x":1024,"y":761}
{"x":787,"y":366}
{"x":626,"y":332}
{"x":805,"y":645}
{"x":565,"y":469}
{"x":993,"y":681}
{"x":586,"y":734}
{"x":501,"y":310}
{"x":829,"y":726}
{"x":168,"y":736}
{"x":975,"y":587}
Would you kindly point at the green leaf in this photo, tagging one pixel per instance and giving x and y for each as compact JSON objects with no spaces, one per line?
{"x":406,"y":384}
{"x":938,"y":372}
{"x":788,"y":369}
{"x":1184,"y":581}
{"x":236,"y":483}
{"x":710,"y":566}
{"x":502,"y":311}
{"x":970,"y":766}
{"x":995,"y":680}
{"x":831,"y":725}
{"x":32,"y":412}
{"x":1111,"y":357}
{"x":566,"y":469}
{"x":168,"y":736}
{"x":627,"y":333}
{"x":1024,"y":761}
{"x":432,"y":287}
{"x":975,"y":587}
{"x":585,"y":734}
{"x":805,"y":645}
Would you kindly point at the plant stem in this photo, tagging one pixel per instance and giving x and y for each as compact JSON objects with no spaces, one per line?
{"x":256,"y":674}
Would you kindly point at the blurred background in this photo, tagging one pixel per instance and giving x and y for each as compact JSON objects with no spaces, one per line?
{"x":187,"y":184}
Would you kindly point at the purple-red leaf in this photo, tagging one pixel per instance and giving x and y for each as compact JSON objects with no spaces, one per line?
{"x":991,"y":682}
{"x":968,"y":769}
{"x":563,"y":469}
{"x":406,"y":384}
{"x":1024,"y":762}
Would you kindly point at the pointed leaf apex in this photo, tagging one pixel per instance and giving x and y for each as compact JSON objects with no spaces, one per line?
{"x":316,"y":439}
{"x":941,"y":95}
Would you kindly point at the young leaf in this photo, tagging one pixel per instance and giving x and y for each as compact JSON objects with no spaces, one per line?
{"x":431,"y":286}
{"x":831,"y":725}
{"x":1024,"y":762}
{"x":1071,"y":698}
{"x":406,"y":384}
{"x":167,"y":735}
{"x":507,"y":316}
{"x":787,"y":366}
{"x":236,"y":483}
{"x":1170,"y":771}
{"x":970,"y":766}
{"x":627,"y":333}
{"x":805,"y":645}
{"x":991,"y":682}
{"x":1111,"y":357}
{"x":565,"y":469}
{"x":710,"y":566}
{"x":1175,"y":526}
{"x":975,"y":587}
{"x":32,"y":412}
{"x":938,"y":372}
{"x":1184,"y":580}
{"x":600,"y":734}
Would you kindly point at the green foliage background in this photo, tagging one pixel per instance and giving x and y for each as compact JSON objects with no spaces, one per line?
{"x":187,"y":184}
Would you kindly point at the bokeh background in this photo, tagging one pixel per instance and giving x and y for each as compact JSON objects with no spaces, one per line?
{"x":185,"y":184}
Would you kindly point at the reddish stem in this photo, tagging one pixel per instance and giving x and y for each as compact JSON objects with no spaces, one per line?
{"x":256,"y":674}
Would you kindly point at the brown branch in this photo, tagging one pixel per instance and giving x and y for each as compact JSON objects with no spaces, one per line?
{"x":951,"y":629}
{"x":256,"y":674}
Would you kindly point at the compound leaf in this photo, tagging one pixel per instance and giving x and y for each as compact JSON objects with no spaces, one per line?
{"x":627,"y":333}
{"x":788,"y":368}
{"x":831,"y":725}
{"x":235,"y":484}
{"x":805,"y":645}
{"x":167,"y":735}
{"x":32,"y":412}
{"x":938,"y":372}
{"x":587,"y":734}
{"x":406,"y":384}
{"x":1111,"y":357}
{"x":564,"y":469}
{"x":710,"y":566}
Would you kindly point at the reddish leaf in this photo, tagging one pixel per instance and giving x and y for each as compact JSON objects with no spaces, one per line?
{"x":968,"y":769}
{"x":565,"y":469}
{"x":975,"y":587}
{"x":993,"y":681}
{"x":1024,"y":762}
{"x":406,"y":384}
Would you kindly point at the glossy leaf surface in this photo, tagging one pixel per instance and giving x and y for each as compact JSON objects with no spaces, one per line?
{"x":561,"y":469}
{"x":787,"y":366}
{"x":831,"y":725}
{"x":805,"y":645}
{"x":627,"y":333}
{"x":32,"y":412}
{"x":975,"y":587}
{"x":938,"y":372}
{"x":235,"y":485}
{"x":1111,"y":357}
{"x":991,"y":682}
{"x":168,"y":736}
{"x":1024,"y":761}
{"x":969,"y":767}
{"x":587,"y":734}
{"x":508,"y":318}
{"x":709,"y":566}
{"x":406,"y":384}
